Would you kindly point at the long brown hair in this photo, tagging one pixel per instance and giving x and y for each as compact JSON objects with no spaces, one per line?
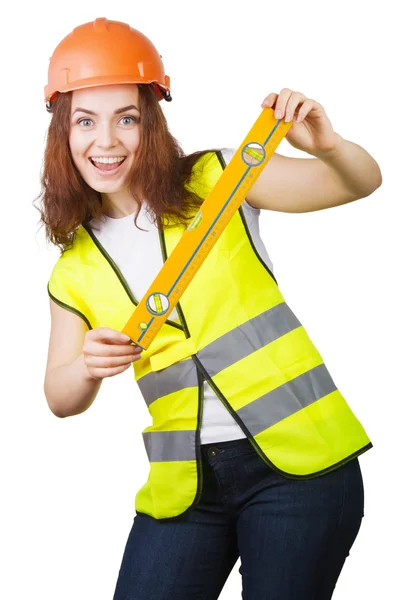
{"x":161,"y":174}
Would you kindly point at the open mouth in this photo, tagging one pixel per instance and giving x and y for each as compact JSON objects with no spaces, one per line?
{"x":107,"y":167}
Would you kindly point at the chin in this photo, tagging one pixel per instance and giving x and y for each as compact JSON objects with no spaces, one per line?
{"x":106,"y":188}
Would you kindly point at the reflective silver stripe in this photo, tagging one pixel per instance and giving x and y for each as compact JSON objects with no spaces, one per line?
{"x":282,"y":402}
{"x":222,"y":353}
{"x":160,"y":383}
{"x":287,"y":399}
{"x":248,"y":338}
{"x":164,"y":446}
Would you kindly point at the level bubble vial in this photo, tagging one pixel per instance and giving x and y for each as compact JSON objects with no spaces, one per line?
{"x":157,"y":303}
{"x":253,"y":154}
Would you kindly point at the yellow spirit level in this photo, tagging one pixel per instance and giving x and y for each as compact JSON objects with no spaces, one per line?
{"x":205,"y":229}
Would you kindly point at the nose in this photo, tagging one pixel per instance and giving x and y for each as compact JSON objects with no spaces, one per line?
{"x":106,"y":136}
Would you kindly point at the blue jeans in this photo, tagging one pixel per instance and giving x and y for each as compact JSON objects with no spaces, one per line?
{"x":292,"y":536}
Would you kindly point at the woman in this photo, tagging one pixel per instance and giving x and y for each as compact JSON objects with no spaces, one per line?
{"x":253,"y":450}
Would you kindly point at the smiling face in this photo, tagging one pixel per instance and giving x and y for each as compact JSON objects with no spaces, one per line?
{"x":104,"y":136}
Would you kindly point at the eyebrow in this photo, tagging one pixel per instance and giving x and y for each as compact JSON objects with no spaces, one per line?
{"x":116,"y":112}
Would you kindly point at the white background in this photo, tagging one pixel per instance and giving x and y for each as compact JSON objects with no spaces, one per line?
{"x":68,"y":485}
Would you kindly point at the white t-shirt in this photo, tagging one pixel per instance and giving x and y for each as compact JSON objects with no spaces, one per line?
{"x":127,"y":245}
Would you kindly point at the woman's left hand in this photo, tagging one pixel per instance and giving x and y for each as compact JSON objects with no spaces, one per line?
{"x":313,"y":133}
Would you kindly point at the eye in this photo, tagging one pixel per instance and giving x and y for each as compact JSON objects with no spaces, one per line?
{"x":132,"y":118}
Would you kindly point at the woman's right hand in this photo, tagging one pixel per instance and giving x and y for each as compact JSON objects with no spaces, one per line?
{"x":108,"y":352}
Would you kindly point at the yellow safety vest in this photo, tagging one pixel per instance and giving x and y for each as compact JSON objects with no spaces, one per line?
{"x":236,"y":331}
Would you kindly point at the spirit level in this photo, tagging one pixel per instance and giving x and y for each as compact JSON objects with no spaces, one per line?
{"x":207,"y":226}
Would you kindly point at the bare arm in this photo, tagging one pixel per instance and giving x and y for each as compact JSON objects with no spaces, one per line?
{"x":79,"y":359}
{"x":308,"y":184}
{"x":69,"y":387}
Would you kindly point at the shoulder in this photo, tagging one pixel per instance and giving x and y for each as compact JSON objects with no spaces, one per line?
{"x":71,"y":255}
{"x":227,"y":154}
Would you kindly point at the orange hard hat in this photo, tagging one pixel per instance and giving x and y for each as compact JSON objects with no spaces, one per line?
{"x":104,"y":52}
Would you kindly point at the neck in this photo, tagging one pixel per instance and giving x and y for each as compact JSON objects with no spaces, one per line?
{"x":118,"y":205}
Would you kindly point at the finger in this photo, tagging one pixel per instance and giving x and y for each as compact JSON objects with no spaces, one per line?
{"x":109,"y":362}
{"x":294,"y":101}
{"x":281,"y":103}
{"x":103,"y":373}
{"x":108,"y":335}
{"x":104,"y":349}
{"x":304,"y":110}
{"x":270,"y":100}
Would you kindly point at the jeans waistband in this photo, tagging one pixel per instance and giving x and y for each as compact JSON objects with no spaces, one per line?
{"x":228,"y":447}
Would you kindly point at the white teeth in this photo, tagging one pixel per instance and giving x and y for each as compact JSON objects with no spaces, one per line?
{"x":108,"y":160}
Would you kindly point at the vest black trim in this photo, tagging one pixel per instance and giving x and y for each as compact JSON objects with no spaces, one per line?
{"x":121,"y":278}
{"x":223,"y":164}
{"x":68,"y":307}
{"x":161,"y":237}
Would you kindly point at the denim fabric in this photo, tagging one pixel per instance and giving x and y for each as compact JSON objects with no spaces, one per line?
{"x":292,"y":536}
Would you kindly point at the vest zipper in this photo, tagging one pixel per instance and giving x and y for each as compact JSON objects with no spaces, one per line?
{"x":119,"y":274}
